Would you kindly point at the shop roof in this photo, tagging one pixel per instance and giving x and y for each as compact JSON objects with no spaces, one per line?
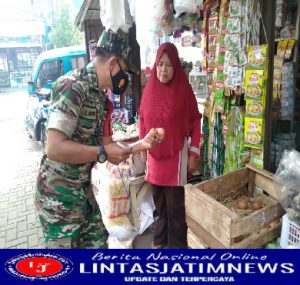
{"x":90,"y":10}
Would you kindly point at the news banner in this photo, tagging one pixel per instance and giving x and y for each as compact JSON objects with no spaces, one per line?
{"x":192,"y":266}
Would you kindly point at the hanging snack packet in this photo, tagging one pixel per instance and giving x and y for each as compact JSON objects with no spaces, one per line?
{"x":276,"y":86}
{"x":220,"y":76}
{"x":222,"y":47}
{"x":232,"y":41}
{"x":234,"y":25}
{"x":244,"y":157}
{"x":231,"y":58}
{"x":257,"y":57}
{"x":224,"y":23}
{"x":277,"y":75}
{"x":242,"y":57}
{"x":278,"y":61}
{"x":257,"y":158}
{"x":239,"y":79}
{"x":219,"y":97}
{"x":289,"y":49}
{"x":213,"y":26}
{"x":254,"y":84}
{"x":212,"y":60}
{"x":221,"y":61}
{"x":281,"y":48}
{"x":235,"y":8}
{"x":234,"y":71}
{"x":212,"y":43}
{"x":254,"y":108}
{"x":253,"y":132}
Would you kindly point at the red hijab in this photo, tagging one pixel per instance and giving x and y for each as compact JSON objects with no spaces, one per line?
{"x":171,"y":106}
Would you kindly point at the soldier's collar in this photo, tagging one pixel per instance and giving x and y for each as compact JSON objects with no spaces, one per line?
{"x":91,"y":71}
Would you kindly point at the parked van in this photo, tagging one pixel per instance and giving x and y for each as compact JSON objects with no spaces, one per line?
{"x":48,"y":67}
{"x":51,"y":64}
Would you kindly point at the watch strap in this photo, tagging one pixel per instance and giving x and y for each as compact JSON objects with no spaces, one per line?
{"x":101,"y":152}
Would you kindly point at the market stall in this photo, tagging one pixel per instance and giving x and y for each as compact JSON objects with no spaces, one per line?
{"x":243,"y":65}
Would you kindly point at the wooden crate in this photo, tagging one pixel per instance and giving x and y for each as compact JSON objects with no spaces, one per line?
{"x":194,"y":242}
{"x":219,"y":227}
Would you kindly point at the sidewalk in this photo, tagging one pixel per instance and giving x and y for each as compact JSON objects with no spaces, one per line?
{"x":20,"y":157}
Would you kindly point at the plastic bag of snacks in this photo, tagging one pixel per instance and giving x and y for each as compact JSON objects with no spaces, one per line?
{"x":112,"y":189}
{"x":287,"y":177}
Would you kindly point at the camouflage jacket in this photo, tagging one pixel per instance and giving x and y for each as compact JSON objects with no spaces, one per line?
{"x":78,"y":109}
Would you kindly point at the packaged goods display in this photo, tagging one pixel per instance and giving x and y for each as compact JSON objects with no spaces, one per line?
{"x":255,"y":95}
{"x":283,"y":87}
{"x":237,"y":76}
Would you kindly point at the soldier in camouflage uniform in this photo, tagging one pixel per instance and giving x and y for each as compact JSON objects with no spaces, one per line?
{"x":67,"y":208}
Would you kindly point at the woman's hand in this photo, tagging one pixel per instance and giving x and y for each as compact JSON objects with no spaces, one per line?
{"x":192,"y":164}
{"x":154,"y":137}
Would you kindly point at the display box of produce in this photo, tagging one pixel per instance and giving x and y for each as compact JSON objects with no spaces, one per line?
{"x":236,"y":210}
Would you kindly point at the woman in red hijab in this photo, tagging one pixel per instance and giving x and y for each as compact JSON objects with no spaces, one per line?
{"x":169,"y":102}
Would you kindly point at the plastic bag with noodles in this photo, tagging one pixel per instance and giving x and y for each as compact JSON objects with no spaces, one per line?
{"x":111,"y":188}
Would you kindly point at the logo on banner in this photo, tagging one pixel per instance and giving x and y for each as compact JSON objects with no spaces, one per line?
{"x":39,"y":266}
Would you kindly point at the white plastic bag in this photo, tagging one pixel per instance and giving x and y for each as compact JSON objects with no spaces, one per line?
{"x":148,"y":16}
{"x":126,"y":203}
{"x":119,"y":227}
{"x":132,"y":6}
{"x":186,"y":6}
{"x":115,"y":14}
{"x":287,"y":177}
{"x":121,"y":232}
{"x":115,"y":243}
{"x":142,"y":207}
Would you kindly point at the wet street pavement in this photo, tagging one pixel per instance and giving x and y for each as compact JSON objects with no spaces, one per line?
{"x":19,"y":161}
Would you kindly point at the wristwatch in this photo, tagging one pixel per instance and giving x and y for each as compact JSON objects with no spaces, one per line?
{"x":102,"y":156}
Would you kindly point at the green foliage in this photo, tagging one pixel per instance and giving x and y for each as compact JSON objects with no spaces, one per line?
{"x":64,"y":32}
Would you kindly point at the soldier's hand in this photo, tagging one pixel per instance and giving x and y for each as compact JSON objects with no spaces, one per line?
{"x":116,"y":154}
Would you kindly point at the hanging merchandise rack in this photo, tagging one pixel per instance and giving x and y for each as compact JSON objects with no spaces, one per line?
{"x":230,"y":28}
{"x":285,"y":95}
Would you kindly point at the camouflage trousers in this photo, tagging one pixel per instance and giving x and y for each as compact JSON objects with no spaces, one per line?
{"x":67,"y":208}
{"x":91,"y":233}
